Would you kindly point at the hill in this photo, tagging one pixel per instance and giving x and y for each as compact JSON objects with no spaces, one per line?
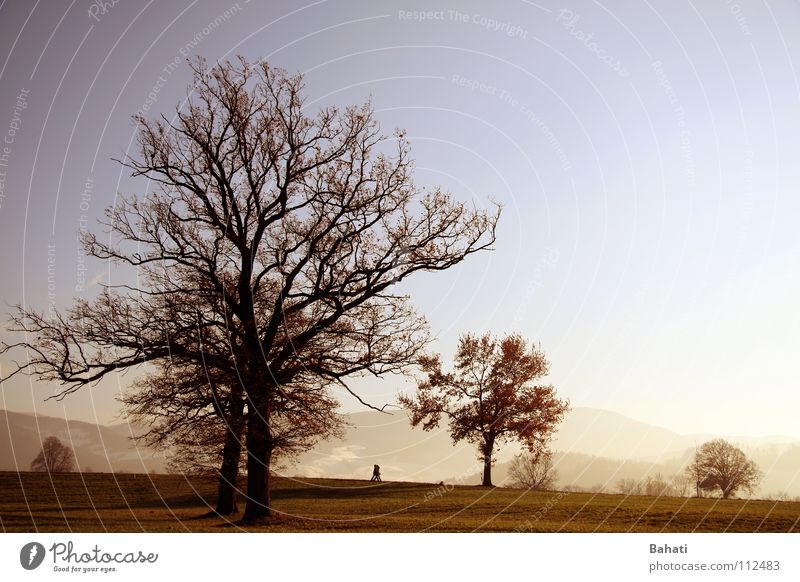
{"x":593,"y":448}
{"x":97,"y":448}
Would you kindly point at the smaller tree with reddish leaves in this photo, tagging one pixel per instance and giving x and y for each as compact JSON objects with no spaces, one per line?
{"x":490,"y":397}
{"x":55,"y":457}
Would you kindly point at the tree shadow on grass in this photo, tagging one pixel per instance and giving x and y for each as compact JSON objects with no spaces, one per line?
{"x":356,"y":492}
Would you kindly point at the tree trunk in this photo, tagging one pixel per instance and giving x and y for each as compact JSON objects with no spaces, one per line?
{"x":259,"y":455}
{"x":228,"y":475}
{"x":487,"y":449}
{"x":487,"y":472}
{"x":229,"y":471}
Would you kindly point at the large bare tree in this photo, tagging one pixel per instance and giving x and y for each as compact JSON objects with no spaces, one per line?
{"x":278,"y":231}
{"x":720,"y":466}
{"x":491,"y":396}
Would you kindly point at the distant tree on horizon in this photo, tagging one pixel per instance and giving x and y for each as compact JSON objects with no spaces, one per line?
{"x":491,"y":396}
{"x":720,"y":466}
{"x":628,"y":486}
{"x":55,"y":457}
{"x":657,"y":486}
{"x":681,"y":484}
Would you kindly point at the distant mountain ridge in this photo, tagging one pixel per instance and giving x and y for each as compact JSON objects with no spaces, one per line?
{"x":97,"y":448}
{"x":593,"y":447}
{"x":594,"y":431}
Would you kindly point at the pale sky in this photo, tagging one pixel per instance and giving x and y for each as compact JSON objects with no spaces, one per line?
{"x":646,"y":153}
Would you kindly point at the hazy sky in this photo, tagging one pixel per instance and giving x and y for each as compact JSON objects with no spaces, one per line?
{"x":647,"y":155}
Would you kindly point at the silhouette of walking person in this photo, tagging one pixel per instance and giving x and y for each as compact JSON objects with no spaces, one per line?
{"x":376,"y":473}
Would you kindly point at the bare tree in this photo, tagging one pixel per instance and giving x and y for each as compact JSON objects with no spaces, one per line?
{"x":628,"y":486}
{"x":491,"y":396}
{"x":657,"y":486}
{"x":681,"y":484}
{"x":533,"y":470}
{"x":778,"y":496}
{"x":720,"y":466}
{"x":271,"y":231}
{"x":696,"y":472}
{"x":55,"y":457}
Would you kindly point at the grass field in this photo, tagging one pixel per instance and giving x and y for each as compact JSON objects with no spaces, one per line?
{"x":97,"y":502}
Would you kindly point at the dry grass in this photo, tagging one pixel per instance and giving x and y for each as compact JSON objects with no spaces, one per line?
{"x":96,"y":502}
